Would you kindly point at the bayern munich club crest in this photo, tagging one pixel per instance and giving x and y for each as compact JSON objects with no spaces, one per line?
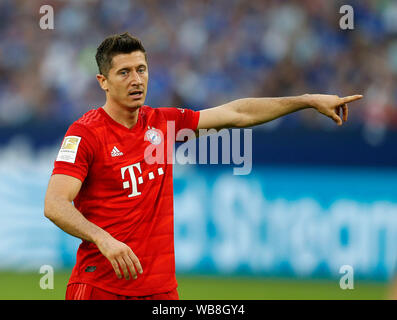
{"x":153,"y":136}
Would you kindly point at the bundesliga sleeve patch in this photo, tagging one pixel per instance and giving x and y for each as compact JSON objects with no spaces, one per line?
{"x":69,"y":149}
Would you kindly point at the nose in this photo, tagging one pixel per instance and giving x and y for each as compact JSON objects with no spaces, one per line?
{"x":136,"y":78}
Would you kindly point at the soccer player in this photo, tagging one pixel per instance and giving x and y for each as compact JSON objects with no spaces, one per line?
{"x":104,"y":192}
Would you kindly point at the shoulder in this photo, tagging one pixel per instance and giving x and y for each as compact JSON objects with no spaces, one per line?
{"x":90,"y":119}
{"x":89,"y":122}
{"x":168,"y":112}
{"x":87,"y":125}
{"x":150,"y":113}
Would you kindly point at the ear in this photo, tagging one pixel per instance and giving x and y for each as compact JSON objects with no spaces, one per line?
{"x":103,"y":82}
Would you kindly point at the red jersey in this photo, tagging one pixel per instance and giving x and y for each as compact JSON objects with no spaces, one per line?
{"x":126,"y":195}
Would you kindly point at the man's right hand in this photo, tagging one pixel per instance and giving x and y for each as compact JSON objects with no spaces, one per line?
{"x":58,"y":207}
{"x":120,"y":255}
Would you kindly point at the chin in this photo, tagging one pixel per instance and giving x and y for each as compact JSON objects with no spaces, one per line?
{"x":135,"y":106}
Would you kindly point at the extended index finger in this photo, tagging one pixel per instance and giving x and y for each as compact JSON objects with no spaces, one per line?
{"x":351,"y":98}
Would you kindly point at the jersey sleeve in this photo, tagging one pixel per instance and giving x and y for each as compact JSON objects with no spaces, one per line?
{"x":184,"y":118}
{"x":76,"y":152}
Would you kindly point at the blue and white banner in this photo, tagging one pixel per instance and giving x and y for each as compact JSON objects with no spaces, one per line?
{"x":299,"y":221}
{"x":281,"y":220}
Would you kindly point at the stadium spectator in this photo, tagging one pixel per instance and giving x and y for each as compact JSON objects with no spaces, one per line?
{"x":197,"y":51}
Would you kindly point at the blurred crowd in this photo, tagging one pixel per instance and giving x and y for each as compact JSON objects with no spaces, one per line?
{"x":201,"y":54}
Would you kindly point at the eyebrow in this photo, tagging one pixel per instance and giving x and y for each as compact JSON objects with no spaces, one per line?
{"x":129,"y":68}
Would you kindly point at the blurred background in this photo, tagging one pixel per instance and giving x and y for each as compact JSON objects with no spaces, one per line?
{"x":318,"y":197}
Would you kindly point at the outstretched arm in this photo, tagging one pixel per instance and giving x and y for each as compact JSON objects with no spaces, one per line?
{"x":249,"y":112}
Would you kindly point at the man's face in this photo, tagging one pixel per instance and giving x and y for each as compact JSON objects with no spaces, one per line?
{"x":127,"y":79}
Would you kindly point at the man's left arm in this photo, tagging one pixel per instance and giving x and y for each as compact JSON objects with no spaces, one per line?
{"x":250,"y":112}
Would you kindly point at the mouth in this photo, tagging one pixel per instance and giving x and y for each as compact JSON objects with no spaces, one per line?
{"x":136,"y":94}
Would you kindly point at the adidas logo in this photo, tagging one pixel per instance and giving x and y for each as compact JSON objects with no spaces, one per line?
{"x":116,"y":152}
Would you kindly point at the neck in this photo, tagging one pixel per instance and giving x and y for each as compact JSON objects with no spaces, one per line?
{"x":127,"y":117}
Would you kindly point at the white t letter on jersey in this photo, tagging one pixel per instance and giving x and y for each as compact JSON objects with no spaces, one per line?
{"x":126,"y":184}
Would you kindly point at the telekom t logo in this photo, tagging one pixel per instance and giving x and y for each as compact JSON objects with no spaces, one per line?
{"x":133,"y":180}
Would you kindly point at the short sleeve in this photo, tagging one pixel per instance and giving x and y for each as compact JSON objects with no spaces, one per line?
{"x":184,"y":118}
{"x":76,"y":152}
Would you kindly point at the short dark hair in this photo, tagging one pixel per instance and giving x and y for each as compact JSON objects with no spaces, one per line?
{"x":113,"y":45}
